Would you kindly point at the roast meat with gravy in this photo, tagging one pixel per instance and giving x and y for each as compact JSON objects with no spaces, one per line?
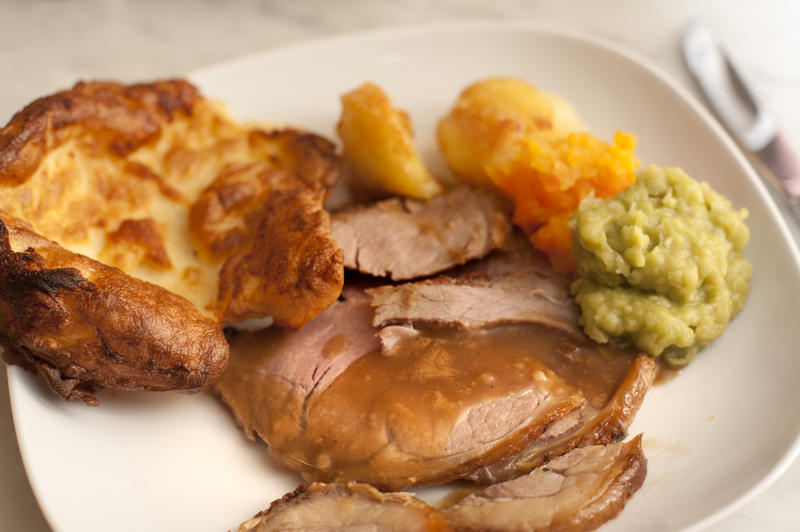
{"x":420,"y":401}
{"x":580,"y":490}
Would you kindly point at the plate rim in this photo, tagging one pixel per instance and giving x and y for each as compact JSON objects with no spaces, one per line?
{"x":526,"y":26}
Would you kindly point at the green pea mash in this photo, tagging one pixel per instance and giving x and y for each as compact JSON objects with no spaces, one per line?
{"x":660,"y":264}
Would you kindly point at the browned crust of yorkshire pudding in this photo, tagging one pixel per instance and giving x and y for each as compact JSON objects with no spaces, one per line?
{"x":83,"y":326}
{"x":269,"y":225}
{"x":293,"y":269}
{"x":106,"y":188}
{"x":124,"y":117}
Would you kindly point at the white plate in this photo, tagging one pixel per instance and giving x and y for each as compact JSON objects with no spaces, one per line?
{"x":719,"y":432}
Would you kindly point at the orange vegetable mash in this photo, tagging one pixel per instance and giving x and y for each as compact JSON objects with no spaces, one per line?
{"x":531,"y":144}
{"x":548,"y":179}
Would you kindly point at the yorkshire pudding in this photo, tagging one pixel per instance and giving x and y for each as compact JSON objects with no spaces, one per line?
{"x":137,"y":221}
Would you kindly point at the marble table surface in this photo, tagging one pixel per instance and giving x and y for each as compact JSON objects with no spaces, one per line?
{"x":48,"y":45}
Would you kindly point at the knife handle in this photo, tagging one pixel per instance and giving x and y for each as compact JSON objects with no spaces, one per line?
{"x":781,"y":160}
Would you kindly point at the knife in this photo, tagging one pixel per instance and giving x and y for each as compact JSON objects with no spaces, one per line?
{"x":742,"y":114}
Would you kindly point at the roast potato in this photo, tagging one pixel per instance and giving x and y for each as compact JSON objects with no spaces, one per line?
{"x":378,"y":146}
{"x":490,"y":116}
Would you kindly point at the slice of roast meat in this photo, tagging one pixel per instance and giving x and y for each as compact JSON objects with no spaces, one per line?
{"x":351,"y":507}
{"x":517,"y":255}
{"x":580,"y":490}
{"x":405,"y":239}
{"x":475,"y":301}
{"x":595,"y":423}
{"x":275,"y":370}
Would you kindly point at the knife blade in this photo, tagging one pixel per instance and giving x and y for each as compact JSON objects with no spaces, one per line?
{"x":740,"y":111}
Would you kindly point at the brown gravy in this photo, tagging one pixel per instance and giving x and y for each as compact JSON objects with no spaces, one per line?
{"x":418,"y":394}
{"x":414,"y":399}
{"x":432,"y":378}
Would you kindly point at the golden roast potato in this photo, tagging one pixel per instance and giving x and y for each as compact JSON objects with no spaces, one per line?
{"x":378,"y":146}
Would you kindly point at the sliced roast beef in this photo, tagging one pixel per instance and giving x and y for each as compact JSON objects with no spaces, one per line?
{"x":351,"y":507}
{"x":592,"y":424}
{"x":580,"y":490}
{"x":405,"y":239}
{"x":517,"y":255}
{"x":277,"y":369}
{"x":475,"y":301}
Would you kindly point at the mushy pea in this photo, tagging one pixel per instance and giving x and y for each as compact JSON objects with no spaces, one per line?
{"x":660,"y":264}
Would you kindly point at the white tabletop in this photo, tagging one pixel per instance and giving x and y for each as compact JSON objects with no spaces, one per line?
{"x":48,"y":45}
